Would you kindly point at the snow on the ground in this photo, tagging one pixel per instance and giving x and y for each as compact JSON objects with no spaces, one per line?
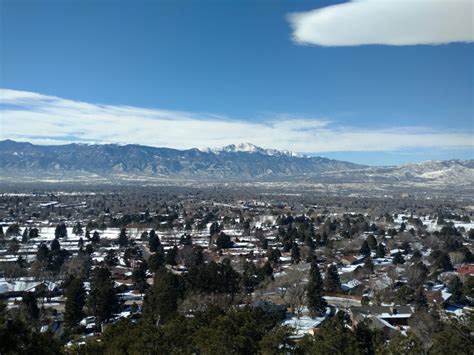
{"x":305,"y":324}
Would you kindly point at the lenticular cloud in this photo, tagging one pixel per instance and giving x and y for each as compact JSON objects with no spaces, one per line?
{"x":388,"y":22}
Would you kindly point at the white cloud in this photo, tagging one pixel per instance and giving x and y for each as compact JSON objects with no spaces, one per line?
{"x":46,"y":119}
{"x":388,"y":22}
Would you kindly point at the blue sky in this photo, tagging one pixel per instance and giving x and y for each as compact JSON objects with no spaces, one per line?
{"x":204,"y":70}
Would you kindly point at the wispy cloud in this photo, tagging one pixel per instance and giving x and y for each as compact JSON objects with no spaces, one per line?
{"x":27,"y":116}
{"x":387,"y":22}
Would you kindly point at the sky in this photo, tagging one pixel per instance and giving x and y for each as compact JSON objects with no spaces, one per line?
{"x":379,"y":82}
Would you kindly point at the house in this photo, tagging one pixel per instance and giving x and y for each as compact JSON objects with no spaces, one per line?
{"x":466,"y":270}
{"x":387,"y":318}
{"x":15,"y":288}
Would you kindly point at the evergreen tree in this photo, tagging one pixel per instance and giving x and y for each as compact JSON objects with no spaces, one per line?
{"x":369,"y":264}
{"x":443,"y":262}
{"x":42,"y":254}
{"x":139,"y":277}
{"x":21,"y":262}
{"x":407,"y":344}
{"x":77,"y":229}
{"x":314,"y":294}
{"x":416,"y":255}
{"x":403,"y":227}
{"x":156,"y":260}
{"x":398,"y":258}
{"x":95,"y":237}
{"x":153,"y":241}
{"x":455,"y":338}
{"x":60,"y":231}
{"x":214,"y":229}
{"x":110,"y":258}
{"x":13,"y":230}
{"x":89,"y":249}
{"x":249,"y":277}
{"x":55,"y":246}
{"x":455,"y":287}
{"x":332,"y":282}
{"x":295,"y":253}
{"x":75,"y":301}
{"x":274,"y":255}
{"x":161,"y":302}
{"x":380,"y":252}
{"x":223,"y":241}
{"x":144,"y":236}
{"x":2,"y":233}
{"x":171,"y":256}
{"x":420,"y":300}
{"x":123,"y":238}
{"x":30,"y":306}
{"x":364,"y":249}
{"x":25,"y":235}
{"x":102,"y":301}
{"x":33,"y":233}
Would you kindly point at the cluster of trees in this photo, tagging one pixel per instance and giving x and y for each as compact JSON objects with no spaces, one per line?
{"x":338,"y":337}
{"x":18,"y":337}
{"x":51,"y":258}
{"x":213,"y":331}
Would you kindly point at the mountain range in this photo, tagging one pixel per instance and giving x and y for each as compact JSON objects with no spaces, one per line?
{"x":234,"y":162}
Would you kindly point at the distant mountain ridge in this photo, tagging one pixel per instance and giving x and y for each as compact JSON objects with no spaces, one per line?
{"x":243,"y":161}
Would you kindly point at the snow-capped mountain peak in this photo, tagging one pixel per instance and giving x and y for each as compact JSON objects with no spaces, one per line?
{"x":252,"y":148}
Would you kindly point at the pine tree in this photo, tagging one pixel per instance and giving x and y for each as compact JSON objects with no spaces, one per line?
{"x":455,"y":287}
{"x":25,"y":236}
{"x":171,"y":256}
{"x":161,"y":302}
{"x":444,"y":262}
{"x":223,"y":241}
{"x":61,"y":231}
{"x":102,"y":301}
{"x":144,"y":236}
{"x":139,"y":277}
{"x":30,"y":306}
{"x":154,"y":242}
{"x":332,"y":282}
{"x":156,"y":260}
{"x":55,"y":246}
{"x":33,"y":233}
{"x":369,"y":264}
{"x":13,"y":230}
{"x":295,"y":253}
{"x":110,"y":258}
{"x":380,"y":253}
{"x":42,"y":254}
{"x":123,"y":238}
{"x":420,"y":299}
{"x":365,"y":249}
{"x":77,"y":229}
{"x":75,"y":301}
{"x":314,"y":294}
{"x":398,"y":258}
{"x":2,"y":233}
{"x":95,"y":237}
{"x":372,"y":242}
{"x":214,"y":229}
